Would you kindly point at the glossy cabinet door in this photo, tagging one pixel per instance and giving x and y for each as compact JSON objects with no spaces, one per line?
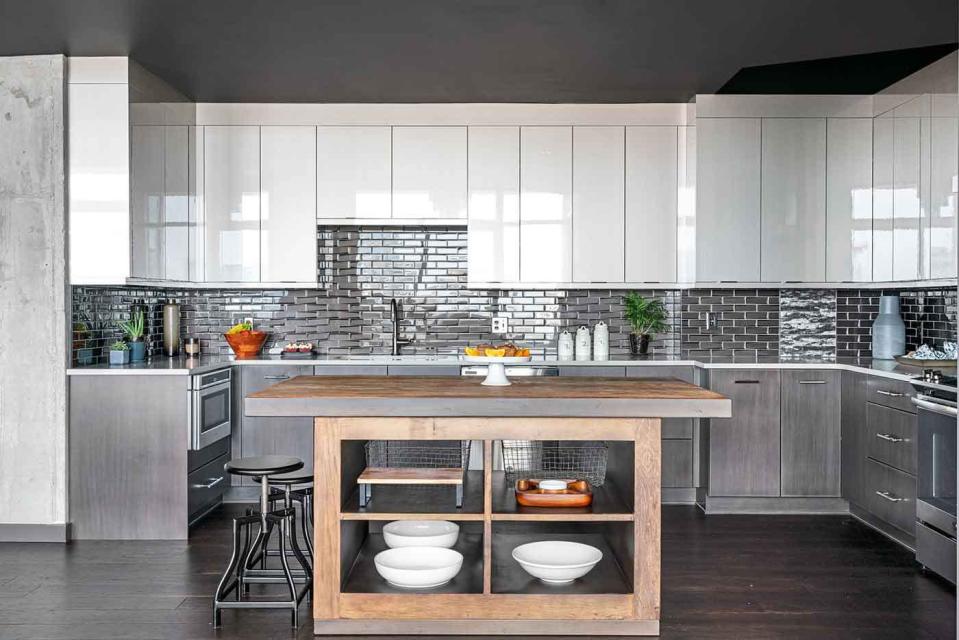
{"x":849,"y":199}
{"x":598,"y":204}
{"x":744,"y":449}
{"x":288,"y":204}
{"x":883,"y":133}
{"x":652,"y":171}
{"x":429,"y":173}
{"x":944,"y":180}
{"x":197,"y":216}
{"x":176,"y":204}
{"x":907,"y":202}
{"x":493,"y":223}
{"x":232,"y":203}
{"x":728,"y":172}
{"x":147,"y":233}
{"x":353,"y":172}
{"x":793,"y":200}
{"x":99,"y":184}
{"x":811,"y":414}
{"x":546,"y":190}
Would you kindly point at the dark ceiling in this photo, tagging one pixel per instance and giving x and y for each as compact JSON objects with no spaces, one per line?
{"x":467,"y":50}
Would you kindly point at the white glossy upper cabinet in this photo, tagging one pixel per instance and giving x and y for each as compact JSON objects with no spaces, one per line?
{"x":99,"y":184}
{"x":652,"y":171}
{"x":907,"y":199}
{"x":598,"y":204}
{"x":353,"y":172}
{"x":882,"y":197}
{"x":546,"y":189}
{"x":849,"y":199}
{"x":231,"y":161}
{"x":944,"y":179}
{"x":176,"y":204}
{"x":147,"y":232}
{"x":793,"y":200}
{"x":429,"y":173}
{"x":288,"y":204}
{"x":197,"y":213}
{"x":728,"y":165}
{"x":493,"y":225}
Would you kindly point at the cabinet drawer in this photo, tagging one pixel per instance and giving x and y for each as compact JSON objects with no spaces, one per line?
{"x":891,"y":495}
{"x":684,"y":373}
{"x":206,"y":485}
{"x":892,"y":437}
{"x":592,"y":371}
{"x":936,"y":552}
{"x":890,"y":393}
{"x":677,"y":463}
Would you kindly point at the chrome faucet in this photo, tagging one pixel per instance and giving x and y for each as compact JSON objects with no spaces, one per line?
{"x":394,"y":318}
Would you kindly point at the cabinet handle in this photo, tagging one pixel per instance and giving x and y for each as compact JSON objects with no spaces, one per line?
{"x":281,"y":377}
{"x":213,"y":483}
{"x":885,"y":495}
{"x":891,"y":394}
{"x":746,"y":381}
{"x":888,"y":437}
{"x":812,"y":382}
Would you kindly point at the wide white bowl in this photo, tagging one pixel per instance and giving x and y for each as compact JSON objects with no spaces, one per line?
{"x":557,"y":561}
{"x":418,"y":567}
{"x":420,"y":533}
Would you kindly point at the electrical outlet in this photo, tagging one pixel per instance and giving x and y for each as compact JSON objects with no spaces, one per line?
{"x":710,"y":320}
{"x":500,"y":324}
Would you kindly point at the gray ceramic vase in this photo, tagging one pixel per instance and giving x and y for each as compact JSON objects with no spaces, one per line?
{"x":888,"y":331}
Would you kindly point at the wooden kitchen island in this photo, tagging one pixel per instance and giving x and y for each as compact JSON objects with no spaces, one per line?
{"x":492,"y":594}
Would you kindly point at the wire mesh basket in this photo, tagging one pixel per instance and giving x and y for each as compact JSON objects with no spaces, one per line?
{"x":555,"y":459}
{"x":418,"y":454}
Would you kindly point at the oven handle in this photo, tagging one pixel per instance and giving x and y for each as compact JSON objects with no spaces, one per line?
{"x":935,"y":407}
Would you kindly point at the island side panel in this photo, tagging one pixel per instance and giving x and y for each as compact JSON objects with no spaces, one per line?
{"x":647,"y":524}
{"x":326,"y":518}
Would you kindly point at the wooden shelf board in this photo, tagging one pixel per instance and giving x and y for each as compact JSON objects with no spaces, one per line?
{"x":405,"y":501}
{"x":405,"y":475}
{"x":607,"y":505}
{"x":363,"y":577}
{"x":509,"y":577}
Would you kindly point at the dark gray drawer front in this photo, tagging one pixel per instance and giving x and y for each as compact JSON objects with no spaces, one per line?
{"x":891,"y":495}
{"x":207,"y":484}
{"x":936,"y":552}
{"x":592,"y":371}
{"x":349,"y":370}
{"x":677,"y":463}
{"x":892,"y":437}
{"x":424,"y":370}
{"x":890,"y":393}
{"x":684,"y":373}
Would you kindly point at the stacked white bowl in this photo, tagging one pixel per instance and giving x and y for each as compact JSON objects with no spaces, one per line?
{"x":419,"y":556}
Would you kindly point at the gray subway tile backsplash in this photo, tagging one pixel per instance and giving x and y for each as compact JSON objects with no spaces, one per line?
{"x":361,"y":268}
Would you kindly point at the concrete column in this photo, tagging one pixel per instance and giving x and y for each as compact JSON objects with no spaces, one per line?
{"x":33,"y":299}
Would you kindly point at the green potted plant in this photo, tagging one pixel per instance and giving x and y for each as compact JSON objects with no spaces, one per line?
{"x":646,"y":317}
{"x":119,"y":353}
{"x":133,"y":330}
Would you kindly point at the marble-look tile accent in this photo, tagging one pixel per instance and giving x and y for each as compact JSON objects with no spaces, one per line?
{"x":807,"y":324}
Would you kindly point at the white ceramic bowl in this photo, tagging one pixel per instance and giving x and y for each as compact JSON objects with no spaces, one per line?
{"x":553,"y":485}
{"x":420,"y":533}
{"x":418,"y":567}
{"x":557,"y":561}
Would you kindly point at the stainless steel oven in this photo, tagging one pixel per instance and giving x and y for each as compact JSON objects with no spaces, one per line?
{"x":211,"y":417}
{"x":936,"y":482}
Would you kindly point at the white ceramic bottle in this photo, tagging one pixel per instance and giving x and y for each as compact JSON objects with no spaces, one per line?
{"x":582,"y":343}
{"x":564,"y":347}
{"x":888,"y":330}
{"x":600,"y":341}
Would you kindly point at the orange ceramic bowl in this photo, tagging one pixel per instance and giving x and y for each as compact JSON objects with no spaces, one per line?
{"x":246,"y":344}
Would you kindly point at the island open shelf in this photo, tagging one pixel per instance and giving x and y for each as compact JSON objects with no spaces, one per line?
{"x":493,"y":594}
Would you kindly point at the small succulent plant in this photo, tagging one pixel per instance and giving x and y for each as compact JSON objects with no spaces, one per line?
{"x":119,"y":345}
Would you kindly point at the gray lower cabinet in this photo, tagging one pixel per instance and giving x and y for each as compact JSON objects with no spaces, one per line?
{"x":349,"y":370}
{"x":892,"y":496}
{"x":744,"y":450}
{"x":272,"y":436}
{"x":854,"y":430}
{"x":810,"y":433}
{"x":677,"y":467}
{"x":891,"y":437}
{"x":424,"y":370}
{"x":592,"y":371}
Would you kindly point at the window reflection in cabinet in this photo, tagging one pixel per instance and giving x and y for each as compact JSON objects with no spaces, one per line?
{"x":546,"y":166}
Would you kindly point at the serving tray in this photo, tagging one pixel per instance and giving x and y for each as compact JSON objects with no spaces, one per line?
{"x":578,"y":493}
{"x":926,"y":364}
{"x":297,"y":355}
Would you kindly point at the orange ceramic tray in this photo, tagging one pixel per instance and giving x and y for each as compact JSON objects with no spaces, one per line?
{"x":578,"y":493}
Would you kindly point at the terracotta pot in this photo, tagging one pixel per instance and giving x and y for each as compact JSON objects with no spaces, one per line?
{"x":246,"y":344}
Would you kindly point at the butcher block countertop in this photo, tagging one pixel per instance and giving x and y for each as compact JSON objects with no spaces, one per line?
{"x":426,"y":396}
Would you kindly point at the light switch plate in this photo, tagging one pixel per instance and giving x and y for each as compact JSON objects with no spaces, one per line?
{"x":500,"y":324}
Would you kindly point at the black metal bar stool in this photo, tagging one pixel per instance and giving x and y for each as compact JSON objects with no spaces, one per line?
{"x":292,"y":487}
{"x":240,"y":571}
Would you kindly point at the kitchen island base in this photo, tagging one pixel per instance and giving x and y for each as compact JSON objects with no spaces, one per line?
{"x":492,"y":594}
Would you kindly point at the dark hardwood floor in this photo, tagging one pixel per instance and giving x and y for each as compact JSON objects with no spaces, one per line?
{"x":723,"y":577}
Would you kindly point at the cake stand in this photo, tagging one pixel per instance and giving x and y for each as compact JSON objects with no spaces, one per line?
{"x":496,"y":372}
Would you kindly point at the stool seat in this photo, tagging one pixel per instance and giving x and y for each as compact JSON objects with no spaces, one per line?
{"x":290,"y":478}
{"x":259,"y":466}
